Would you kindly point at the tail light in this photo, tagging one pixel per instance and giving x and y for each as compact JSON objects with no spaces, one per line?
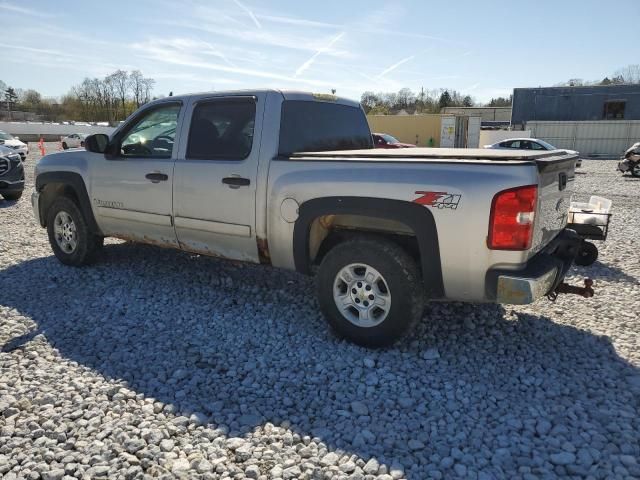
{"x":511,"y":220}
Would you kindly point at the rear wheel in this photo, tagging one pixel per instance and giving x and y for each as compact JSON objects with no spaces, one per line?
{"x":587,"y":254}
{"x":635,"y":170}
{"x":71,"y":240}
{"x":64,"y":145}
{"x":370,"y":291}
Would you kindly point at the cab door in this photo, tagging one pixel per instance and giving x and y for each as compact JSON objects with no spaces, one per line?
{"x":214,"y":189}
{"x":131,"y":188}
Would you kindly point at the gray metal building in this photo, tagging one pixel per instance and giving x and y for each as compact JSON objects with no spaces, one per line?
{"x":601,"y":102}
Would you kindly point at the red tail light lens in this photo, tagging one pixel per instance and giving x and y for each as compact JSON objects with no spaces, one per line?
{"x":511,"y":221}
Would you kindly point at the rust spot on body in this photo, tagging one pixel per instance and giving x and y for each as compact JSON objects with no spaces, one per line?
{"x":263,"y":250}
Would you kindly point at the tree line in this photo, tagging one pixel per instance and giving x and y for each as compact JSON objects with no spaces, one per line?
{"x":108,"y":99}
{"x":425,"y":101}
{"x":628,"y":75}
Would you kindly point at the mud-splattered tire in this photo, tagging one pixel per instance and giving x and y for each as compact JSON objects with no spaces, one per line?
{"x":370,"y":290}
{"x":72,"y":242}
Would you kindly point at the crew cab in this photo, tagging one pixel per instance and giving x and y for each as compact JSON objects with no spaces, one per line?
{"x":292,"y":180}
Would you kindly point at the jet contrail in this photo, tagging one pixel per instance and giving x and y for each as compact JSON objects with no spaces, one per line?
{"x":309,"y":62}
{"x":395,"y":65}
{"x":249,"y":12}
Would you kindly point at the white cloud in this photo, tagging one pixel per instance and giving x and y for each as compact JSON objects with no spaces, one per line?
{"x":10,"y":7}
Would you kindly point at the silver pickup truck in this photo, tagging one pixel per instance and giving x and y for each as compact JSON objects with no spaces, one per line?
{"x":291,"y":180}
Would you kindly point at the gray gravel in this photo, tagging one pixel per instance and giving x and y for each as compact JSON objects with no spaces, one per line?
{"x":156,"y":363}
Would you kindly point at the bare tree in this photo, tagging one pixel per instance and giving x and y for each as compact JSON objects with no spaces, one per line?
{"x":136,"y":84}
{"x":405,"y":98}
{"x":120,"y":80}
{"x":629,"y":74}
{"x":147,"y":84}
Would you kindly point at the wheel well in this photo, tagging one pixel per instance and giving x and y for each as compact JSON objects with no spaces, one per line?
{"x":324,"y":221}
{"x":328,"y":231}
{"x":50,"y":192}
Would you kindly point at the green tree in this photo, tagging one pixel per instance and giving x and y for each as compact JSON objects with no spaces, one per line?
{"x":445,"y":100}
{"x":467,"y":101}
{"x":10,"y":96}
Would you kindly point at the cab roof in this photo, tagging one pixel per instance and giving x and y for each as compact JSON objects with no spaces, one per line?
{"x":287,"y":94}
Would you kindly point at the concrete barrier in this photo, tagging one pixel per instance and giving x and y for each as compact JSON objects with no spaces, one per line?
{"x":32,"y":132}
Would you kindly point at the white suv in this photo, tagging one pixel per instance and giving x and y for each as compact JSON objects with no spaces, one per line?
{"x":14,"y":143}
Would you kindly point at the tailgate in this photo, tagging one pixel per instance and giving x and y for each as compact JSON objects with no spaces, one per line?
{"x":555,"y":186}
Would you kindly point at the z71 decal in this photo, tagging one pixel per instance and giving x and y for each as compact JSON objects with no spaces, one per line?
{"x":438,"y":199}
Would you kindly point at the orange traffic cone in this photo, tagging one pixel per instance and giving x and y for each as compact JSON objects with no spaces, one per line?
{"x":41,"y":145}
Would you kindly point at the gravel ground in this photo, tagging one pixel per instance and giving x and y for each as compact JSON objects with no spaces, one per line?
{"x":157,"y":363}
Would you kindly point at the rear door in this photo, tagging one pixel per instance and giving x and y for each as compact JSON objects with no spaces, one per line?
{"x":214,"y":190}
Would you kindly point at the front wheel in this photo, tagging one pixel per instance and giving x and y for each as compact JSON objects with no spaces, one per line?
{"x":635,"y":170}
{"x":71,"y":240}
{"x":370,"y":291}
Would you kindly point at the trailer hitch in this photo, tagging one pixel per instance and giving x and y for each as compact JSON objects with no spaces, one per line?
{"x":586,"y":291}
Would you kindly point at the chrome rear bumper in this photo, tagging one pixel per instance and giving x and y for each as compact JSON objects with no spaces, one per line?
{"x":539,"y":277}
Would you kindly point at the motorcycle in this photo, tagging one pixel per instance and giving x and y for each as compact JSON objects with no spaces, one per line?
{"x":631,"y":161}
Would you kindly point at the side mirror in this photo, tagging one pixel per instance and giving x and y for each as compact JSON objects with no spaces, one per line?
{"x":96,"y":143}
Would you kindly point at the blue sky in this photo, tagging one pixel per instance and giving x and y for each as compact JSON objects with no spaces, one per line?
{"x":481,"y":48}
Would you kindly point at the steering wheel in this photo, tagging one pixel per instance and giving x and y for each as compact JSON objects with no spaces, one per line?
{"x":137,"y":149}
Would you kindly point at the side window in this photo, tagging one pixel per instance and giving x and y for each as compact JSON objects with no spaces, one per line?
{"x":222,"y":129}
{"x":152,"y":135}
{"x":506,"y":144}
{"x":515,"y":144}
{"x":536,"y":146}
{"x":525,"y":145}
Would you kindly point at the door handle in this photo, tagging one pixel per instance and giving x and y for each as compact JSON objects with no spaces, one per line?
{"x":235,"y":182}
{"x":156,"y":177}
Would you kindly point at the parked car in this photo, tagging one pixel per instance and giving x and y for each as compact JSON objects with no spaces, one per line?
{"x":384,"y":140}
{"x":75,"y":140}
{"x":15,"y":144}
{"x":531,"y":144}
{"x":291,"y":180}
{"x":11,"y":174}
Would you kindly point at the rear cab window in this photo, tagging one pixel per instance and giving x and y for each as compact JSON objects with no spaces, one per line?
{"x":222,"y":129}
{"x":312,"y":126}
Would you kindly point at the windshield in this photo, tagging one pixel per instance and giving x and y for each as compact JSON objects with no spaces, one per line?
{"x":389,"y":138}
{"x":5,"y":136}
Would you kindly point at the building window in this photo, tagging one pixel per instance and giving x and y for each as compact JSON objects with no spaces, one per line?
{"x":614,"y":110}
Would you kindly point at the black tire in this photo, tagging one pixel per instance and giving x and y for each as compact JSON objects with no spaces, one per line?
{"x":400,"y":273}
{"x":87,"y":243}
{"x":64,"y":145}
{"x":82,"y":144}
{"x":635,"y":171}
{"x":587,"y":254}
{"x":12,"y":196}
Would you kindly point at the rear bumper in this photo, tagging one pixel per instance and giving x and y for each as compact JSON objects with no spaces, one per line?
{"x":541,"y":275}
